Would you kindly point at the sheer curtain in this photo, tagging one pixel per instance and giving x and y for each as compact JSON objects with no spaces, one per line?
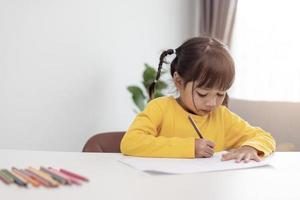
{"x":217,"y":19}
{"x":266,"y":49}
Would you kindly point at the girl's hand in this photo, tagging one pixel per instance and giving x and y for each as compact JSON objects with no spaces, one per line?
{"x":245,"y":153}
{"x":204,"y":148}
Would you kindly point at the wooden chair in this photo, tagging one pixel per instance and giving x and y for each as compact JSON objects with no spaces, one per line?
{"x":108,"y":142}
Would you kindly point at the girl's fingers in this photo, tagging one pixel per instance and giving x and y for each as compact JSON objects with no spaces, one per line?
{"x":204,"y":154}
{"x":239,"y":157}
{"x":225,"y":156}
{"x":210,"y":143}
{"x":256,"y":158}
{"x":231,"y":150}
{"x":209,"y":150}
{"x":247,"y":157}
{"x":229,"y":156}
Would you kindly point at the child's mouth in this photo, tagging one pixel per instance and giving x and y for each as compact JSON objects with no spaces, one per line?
{"x":206,"y":111}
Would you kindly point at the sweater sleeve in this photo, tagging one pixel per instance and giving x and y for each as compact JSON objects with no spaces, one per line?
{"x":143,"y":139}
{"x":239,"y":133}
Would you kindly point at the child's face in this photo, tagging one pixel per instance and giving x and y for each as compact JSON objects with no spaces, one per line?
{"x":200,"y":101}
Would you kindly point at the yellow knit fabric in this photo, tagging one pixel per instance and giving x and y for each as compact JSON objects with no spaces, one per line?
{"x":163,"y":130}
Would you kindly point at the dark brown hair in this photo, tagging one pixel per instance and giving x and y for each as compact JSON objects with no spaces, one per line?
{"x":202,"y":59}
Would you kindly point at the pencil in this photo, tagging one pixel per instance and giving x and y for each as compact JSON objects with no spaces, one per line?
{"x":195,"y":126}
{"x":72,"y":174}
{"x":6,"y":179}
{"x":16,"y":179}
{"x":70,"y":179}
{"x":33,"y":182}
{"x":37,"y":178}
{"x":45,"y":176}
{"x":19,"y":177}
{"x":55,"y":176}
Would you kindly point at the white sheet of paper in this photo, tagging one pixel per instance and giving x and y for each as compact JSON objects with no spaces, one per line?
{"x":182,"y":166}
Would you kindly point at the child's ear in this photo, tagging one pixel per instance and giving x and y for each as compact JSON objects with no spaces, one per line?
{"x":179,"y":83}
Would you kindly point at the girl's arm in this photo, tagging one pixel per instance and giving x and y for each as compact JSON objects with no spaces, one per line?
{"x":240,"y":133}
{"x":142,"y":138}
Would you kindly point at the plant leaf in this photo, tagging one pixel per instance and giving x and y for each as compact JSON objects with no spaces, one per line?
{"x":138,"y":96}
{"x":148,"y":75}
{"x":160,"y":85}
{"x":158,"y":94}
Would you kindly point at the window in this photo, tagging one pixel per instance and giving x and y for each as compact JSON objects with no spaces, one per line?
{"x":266,"y":49}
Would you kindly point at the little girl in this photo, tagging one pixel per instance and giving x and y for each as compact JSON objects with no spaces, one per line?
{"x":203,"y":71}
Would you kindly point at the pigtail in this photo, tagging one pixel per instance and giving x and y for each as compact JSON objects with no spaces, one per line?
{"x":226,"y":100}
{"x":151,"y":89}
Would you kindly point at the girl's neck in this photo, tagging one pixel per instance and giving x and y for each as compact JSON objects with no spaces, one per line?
{"x":179,"y":101}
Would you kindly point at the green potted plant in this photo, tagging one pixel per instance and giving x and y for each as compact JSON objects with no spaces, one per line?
{"x":139,"y":94}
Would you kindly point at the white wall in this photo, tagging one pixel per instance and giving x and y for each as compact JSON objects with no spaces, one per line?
{"x":65,"y":65}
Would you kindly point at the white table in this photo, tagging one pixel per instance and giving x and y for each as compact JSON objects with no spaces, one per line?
{"x":110,"y":179}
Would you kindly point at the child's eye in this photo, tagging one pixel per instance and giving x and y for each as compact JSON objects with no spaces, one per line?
{"x":220,"y":95}
{"x":201,"y":95}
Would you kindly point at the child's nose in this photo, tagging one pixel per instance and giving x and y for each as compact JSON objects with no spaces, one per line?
{"x":211,"y":102}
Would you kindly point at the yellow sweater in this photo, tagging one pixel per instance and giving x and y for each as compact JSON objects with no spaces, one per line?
{"x":163,"y":130}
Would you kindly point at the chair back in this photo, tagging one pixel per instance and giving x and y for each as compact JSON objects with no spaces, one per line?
{"x":281,"y":119}
{"x":108,"y":142}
